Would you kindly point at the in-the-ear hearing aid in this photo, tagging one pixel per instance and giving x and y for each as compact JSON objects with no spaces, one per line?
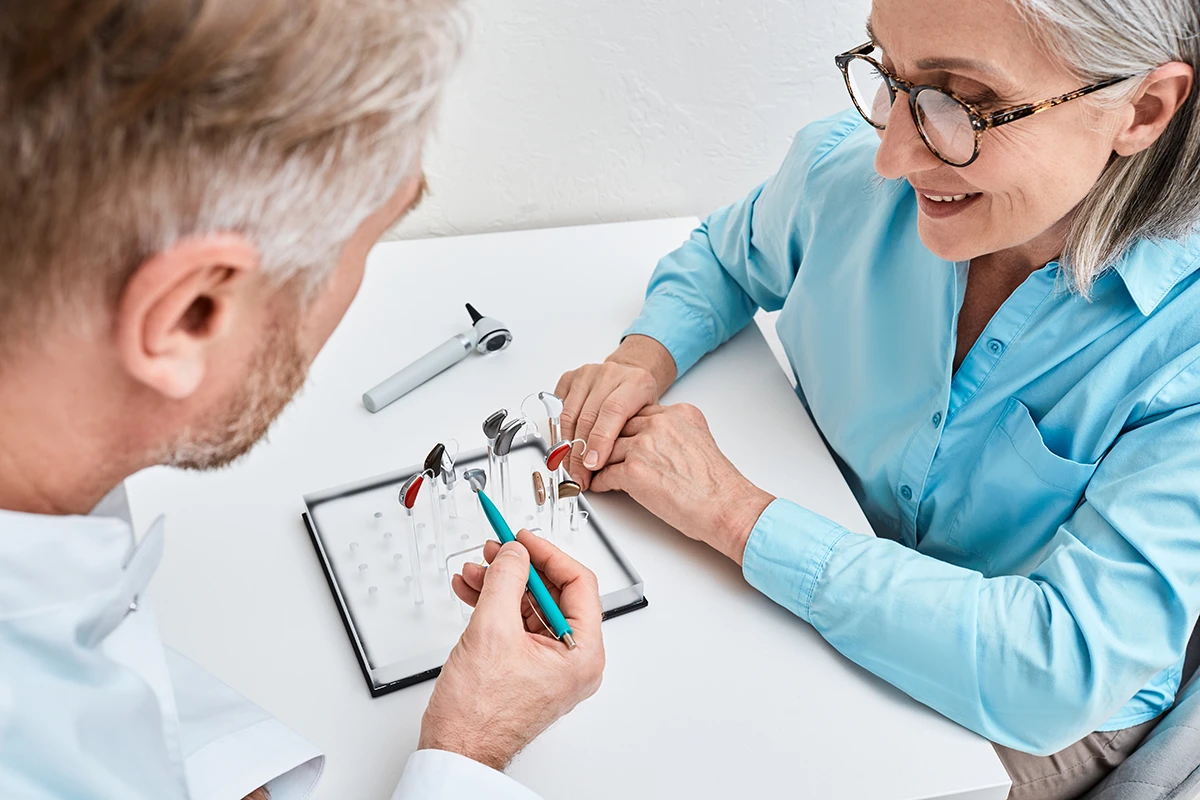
{"x":476,"y":479}
{"x":486,"y":335}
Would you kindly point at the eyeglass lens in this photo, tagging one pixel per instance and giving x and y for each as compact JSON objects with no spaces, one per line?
{"x":944,"y":122}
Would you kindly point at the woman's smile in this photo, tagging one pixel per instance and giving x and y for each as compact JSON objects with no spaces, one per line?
{"x":940,"y":205}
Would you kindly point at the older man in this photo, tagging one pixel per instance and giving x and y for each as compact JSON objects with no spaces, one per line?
{"x":189,"y":192}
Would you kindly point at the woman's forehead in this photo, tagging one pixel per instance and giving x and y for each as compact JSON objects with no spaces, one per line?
{"x":988,"y":39}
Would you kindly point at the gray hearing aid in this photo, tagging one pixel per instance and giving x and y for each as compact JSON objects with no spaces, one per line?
{"x":504,"y":443}
{"x":477,"y":479}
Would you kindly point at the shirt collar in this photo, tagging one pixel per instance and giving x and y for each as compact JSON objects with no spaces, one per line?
{"x":1153,"y":267}
{"x":50,"y":560}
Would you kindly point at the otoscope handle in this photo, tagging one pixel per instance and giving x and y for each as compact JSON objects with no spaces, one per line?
{"x":437,"y":360}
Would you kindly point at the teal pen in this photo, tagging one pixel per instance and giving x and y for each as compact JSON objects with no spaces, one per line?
{"x":554,"y":618}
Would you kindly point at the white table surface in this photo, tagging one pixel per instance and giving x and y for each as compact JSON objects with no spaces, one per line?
{"x":712,"y":691}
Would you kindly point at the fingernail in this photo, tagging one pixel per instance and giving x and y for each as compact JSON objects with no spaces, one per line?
{"x":591,"y":460}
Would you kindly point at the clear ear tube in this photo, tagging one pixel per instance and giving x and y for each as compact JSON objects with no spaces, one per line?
{"x":448,"y":482}
{"x":408,"y":500}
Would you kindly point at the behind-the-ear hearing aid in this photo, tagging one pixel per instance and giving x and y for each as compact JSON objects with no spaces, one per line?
{"x":491,"y":429}
{"x":504,"y":443}
{"x":434,"y":466}
{"x":568,"y":495}
{"x":554,"y":409}
{"x":408,"y":500}
{"x":486,"y":335}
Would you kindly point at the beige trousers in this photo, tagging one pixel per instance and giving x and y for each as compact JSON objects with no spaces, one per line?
{"x":1069,"y":773}
{"x":1072,"y":771}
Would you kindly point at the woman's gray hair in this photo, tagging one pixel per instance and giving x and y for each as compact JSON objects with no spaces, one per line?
{"x":1155,"y":193}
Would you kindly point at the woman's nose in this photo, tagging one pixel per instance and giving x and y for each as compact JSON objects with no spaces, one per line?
{"x":901,"y":149}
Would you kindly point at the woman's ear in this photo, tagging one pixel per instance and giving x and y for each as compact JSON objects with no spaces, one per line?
{"x":1161,"y":94}
{"x":178,"y":305}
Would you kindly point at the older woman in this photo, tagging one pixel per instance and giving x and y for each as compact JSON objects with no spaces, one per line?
{"x":989,"y":276}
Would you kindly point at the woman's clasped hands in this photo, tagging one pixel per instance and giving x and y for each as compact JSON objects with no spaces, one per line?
{"x":663,"y":456}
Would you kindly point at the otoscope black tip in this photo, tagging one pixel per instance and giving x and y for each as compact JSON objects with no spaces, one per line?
{"x":475,"y":315}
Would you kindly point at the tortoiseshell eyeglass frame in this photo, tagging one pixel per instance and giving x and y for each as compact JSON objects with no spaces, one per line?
{"x":980,"y":122}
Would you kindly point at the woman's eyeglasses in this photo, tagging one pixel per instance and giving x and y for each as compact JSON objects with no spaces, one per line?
{"x":950,"y":126}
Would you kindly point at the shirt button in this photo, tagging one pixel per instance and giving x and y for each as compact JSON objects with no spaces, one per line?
{"x":995,"y":345}
{"x":906,"y":492}
{"x":937,"y":419}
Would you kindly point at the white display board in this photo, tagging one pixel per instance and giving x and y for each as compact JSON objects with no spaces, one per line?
{"x":400,"y":613}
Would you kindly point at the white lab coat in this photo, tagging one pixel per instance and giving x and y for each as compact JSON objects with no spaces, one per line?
{"x":93,"y":705}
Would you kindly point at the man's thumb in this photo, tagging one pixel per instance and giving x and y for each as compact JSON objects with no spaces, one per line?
{"x":503,"y":586}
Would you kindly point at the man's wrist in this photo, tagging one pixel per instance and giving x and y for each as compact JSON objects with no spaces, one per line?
{"x":436,"y":735}
{"x":737,"y":519}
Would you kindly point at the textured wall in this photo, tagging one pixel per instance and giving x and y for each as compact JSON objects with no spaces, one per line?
{"x":578,"y":111}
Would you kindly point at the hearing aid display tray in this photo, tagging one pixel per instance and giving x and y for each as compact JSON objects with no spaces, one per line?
{"x":399,"y":642}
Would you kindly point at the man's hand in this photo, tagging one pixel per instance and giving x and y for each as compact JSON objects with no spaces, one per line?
{"x":598,"y":399}
{"x":668,"y":461}
{"x":507,"y":679}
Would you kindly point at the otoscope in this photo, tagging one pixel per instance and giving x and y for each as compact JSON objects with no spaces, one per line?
{"x":486,"y":335}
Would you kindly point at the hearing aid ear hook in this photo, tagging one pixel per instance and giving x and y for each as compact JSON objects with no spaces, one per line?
{"x":533,"y":430}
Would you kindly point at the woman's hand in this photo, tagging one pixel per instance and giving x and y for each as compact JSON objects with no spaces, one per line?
{"x":667,"y":460}
{"x":598,"y":399}
{"x":506,"y":680}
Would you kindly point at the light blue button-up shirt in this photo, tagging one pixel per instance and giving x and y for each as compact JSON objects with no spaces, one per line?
{"x":1037,"y":571}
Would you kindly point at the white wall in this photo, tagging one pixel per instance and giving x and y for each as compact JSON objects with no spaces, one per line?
{"x":579,"y":111}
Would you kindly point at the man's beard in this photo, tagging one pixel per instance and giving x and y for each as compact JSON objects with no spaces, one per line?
{"x":277,"y":371}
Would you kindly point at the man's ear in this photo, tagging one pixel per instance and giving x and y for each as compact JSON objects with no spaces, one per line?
{"x":177,"y":305}
{"x":1162,"y":93}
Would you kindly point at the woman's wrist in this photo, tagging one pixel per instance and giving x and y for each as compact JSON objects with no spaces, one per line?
{"x":737,"y":518}
{"x":649,"y":354}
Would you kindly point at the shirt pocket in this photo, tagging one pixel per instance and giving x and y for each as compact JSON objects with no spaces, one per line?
{"x":1017,"y":495}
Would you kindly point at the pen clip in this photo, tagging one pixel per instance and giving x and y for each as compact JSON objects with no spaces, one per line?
{"x":534,"y":606}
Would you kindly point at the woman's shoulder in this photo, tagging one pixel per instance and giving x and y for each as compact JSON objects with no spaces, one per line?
{"x":840,"y":146}
{"x":828,"y":183}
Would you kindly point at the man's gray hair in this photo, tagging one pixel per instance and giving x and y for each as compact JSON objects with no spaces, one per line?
{"x":1155,"y":193}
{"x":129,"y":125}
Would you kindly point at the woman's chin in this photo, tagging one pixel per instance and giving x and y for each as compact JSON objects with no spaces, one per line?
{"x":947,"y":244}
